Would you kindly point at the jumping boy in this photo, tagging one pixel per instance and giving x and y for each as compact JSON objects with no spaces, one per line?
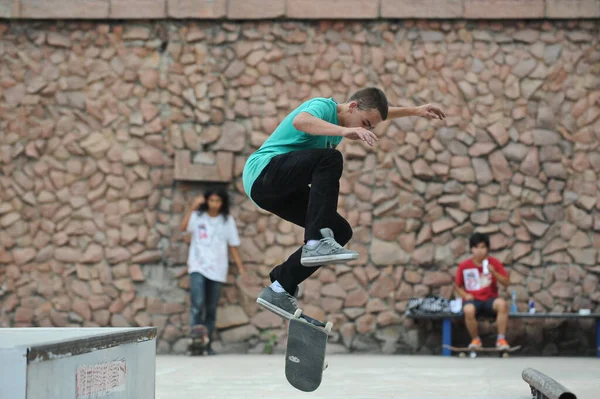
{"x":301,"y":152}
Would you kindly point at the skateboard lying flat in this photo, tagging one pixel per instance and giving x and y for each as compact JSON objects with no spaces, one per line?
{"x":462,"y":351}
{"x":305,"y":352}
{"x":198,"y":340}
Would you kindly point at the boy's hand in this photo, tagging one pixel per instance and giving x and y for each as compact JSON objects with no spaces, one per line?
{"x":430,"y":111}
{"x":468,"y":297}
{"x":358,"y":133}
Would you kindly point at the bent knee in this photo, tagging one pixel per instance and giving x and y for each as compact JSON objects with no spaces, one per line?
{"x":334,"y":155}
{"x":469,"y":311}
{"x":333,"y":159}
{"x":500,"y":305}
{"x":343,"y":231}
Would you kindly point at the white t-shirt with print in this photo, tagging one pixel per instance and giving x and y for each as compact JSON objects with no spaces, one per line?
{"x":210,"y":238}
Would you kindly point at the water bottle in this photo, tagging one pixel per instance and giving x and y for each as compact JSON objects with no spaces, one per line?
{"x":513,"y":304}
{"x":486,"y":270}
{"x":531,"y":306}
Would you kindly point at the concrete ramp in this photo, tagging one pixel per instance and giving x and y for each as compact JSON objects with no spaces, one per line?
{"x":77,"y":363}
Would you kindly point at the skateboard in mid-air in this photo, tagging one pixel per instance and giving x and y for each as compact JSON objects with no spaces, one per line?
{"x":199,"y":340}
{"x":462,"y":351}
{"x":305,"y":352}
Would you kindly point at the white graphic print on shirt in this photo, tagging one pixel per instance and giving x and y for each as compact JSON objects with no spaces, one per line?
{"x":475,"y":281}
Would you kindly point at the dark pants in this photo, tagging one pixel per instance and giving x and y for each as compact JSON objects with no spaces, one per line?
{"x":205,"y":294}
{"x":282,"y":189}
{"x":483,"y":308}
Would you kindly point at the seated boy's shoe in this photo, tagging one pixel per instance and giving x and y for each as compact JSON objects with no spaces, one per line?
{"x":501,"y":343}
{"x":280,"y":303}
{"x":475,"y":344}
{"x":327,"y":250}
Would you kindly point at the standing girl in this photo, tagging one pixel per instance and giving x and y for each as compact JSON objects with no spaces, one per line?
{"x":213,"y":233}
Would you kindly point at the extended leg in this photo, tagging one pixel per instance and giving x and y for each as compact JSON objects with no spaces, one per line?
{"x":197,"y":292}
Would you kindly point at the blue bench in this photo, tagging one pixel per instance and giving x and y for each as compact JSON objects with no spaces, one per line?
{"x":447,"y":318}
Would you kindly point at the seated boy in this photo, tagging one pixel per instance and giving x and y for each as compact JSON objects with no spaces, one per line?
{"x":477,"y":284}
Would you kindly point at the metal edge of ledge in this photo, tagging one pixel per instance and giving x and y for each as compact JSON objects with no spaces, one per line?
{"x":544,"y":387}
{"x":78,"y":346}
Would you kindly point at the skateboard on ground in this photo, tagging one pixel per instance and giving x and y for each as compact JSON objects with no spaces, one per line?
{"x":198,"y":340}
{"x":305,"y":352}
{"x":462,"y":351}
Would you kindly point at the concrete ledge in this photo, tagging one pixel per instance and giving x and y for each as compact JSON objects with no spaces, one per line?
{"x":300,"y":9}
{"x":572,"y":9}
{"x":63,"y":9}
{"x":332,"y":9}
{"x":503,"y":9}
{"x":9,"y":8}
{"x":138,"y":9}
{"x":255,"y":9}
{"x":427,"y":9}
{"x":199,"y":9}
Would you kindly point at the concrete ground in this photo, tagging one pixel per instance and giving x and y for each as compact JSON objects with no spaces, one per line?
{"x":370,"y":377}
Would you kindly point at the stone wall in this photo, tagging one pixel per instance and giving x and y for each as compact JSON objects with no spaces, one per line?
{"x":93,"y":115}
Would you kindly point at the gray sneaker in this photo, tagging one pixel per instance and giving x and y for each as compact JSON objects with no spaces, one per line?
{"x":280,"y":303}
{"x":326,"y":251}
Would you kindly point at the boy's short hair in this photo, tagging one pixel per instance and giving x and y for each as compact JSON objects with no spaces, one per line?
{"x":479,"y":238}
{"x":371,"y":98}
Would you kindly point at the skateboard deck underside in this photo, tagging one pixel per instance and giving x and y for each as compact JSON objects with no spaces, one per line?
{"x":305,"y":355}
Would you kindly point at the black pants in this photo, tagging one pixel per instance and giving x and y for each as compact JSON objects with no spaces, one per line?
{"x":282,"y":189}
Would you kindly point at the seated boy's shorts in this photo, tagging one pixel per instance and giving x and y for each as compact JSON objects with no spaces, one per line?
{"x":483,"y":308}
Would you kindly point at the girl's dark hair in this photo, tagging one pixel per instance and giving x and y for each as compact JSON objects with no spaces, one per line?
{"x":478,"y":238}
{"x":221,"y":193}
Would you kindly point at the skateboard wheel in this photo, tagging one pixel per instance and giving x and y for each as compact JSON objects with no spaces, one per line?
{"x":505,"y":355}
{"x":462,"y":354}
{"x":328,"y":326}
{"x":298,"y":313}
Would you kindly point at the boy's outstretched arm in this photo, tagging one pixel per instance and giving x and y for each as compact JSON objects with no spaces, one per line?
{"x":428,"y":111}
{"x":307,"y":123}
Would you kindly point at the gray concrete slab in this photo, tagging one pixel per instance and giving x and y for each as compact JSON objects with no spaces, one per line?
{"x":11,"y":337}
{"x":370,"y":377}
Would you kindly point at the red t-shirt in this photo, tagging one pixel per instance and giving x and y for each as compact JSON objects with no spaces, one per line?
{"x":470,"y":277}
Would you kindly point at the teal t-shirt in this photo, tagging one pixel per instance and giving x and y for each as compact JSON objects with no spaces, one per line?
{"x":287,"y":138}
